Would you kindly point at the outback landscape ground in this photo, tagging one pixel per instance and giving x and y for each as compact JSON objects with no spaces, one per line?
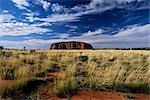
{"x":74,"y":74}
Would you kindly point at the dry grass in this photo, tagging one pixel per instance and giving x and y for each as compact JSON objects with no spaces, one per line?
{"x":111,"y":70}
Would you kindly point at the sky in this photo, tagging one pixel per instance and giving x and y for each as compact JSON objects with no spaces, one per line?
{"x":36,"y":24}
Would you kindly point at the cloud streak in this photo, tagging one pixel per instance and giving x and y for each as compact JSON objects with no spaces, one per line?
{"x":137,"y":37}
{"x":19,"y":28}
{"x":45,"y":4}
{"x":21,"y":4}
{"x":6,"y":17}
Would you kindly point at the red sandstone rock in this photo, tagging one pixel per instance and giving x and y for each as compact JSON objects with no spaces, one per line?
{"x":71,"y":45}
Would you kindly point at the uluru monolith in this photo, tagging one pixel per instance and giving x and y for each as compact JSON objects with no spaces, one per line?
{"x":71,"y":45}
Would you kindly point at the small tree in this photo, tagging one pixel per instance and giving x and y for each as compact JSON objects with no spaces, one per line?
{"x":24,"y":48}
{"x":1,"y":47}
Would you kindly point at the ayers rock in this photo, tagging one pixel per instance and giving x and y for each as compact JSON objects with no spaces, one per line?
{"x":71,"y":45}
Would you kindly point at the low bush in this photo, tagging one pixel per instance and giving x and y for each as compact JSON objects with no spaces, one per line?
{"x":32,"y":51}
{"x":53,"y":68}
{"x":83,"y":58}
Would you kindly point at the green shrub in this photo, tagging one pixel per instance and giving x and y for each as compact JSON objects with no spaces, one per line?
{"x":53,"y":68}
{"x":1,"y":47}
{"x":2,"y":53}
{"x":83,"y":58}
{"x":32,"y":51}
{"x":6,"y":53}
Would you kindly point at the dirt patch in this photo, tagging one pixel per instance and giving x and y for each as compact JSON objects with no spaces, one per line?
{"x":93,"y":95}
{"x":44,"y":92}
{"x":7,"y":82}
{"x":6,"y":88}
{"x":142,"y":96}
{"x":103,"y":95}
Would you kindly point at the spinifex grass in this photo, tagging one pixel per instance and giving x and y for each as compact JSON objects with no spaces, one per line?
{"x":110,"y":70}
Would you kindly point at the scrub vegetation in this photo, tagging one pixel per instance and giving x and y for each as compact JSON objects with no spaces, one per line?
{"x":69,"y":71}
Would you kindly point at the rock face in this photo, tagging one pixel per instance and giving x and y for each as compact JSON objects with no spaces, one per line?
{"x":71,"y":45}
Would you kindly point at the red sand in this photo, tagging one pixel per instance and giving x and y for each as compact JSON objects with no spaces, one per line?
{"x":93,"y":95}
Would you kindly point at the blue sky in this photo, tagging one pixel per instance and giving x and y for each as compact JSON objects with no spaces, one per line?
{"x":36,"y":24}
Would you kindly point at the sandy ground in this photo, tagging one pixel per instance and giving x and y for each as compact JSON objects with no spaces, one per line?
{"x":93,"y":95}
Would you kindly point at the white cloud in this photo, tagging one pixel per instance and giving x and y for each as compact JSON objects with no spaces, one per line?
{"x":57,"y":8}
{"x":21,"y":4}
{"x":18,"y":28}
{"x":30,"y":16}
{"x":58,"y":18}
{"x":29,"y":19}
{"x":96,"y":6}
{"x":5,"y":11}
{"x":65,"y":17}
{"x":135,"y":31}
{"x":126,"y":35}
{"x":63,"y":14}
{"x":5,"y":17}
{"x":103,"y":3}
{"x":9,"y":25}
{"x":139,"y":38}
{"x":71,"y":26}
{"x":97,"y":32}
{"x":93,"y":6}
{"x":45,"y":4}
{"x":42,"y":24}
{"x":63,"y":35}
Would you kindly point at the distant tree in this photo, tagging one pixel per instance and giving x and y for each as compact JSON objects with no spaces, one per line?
{"x":24,"y":48}
{"x":1,"y":47}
